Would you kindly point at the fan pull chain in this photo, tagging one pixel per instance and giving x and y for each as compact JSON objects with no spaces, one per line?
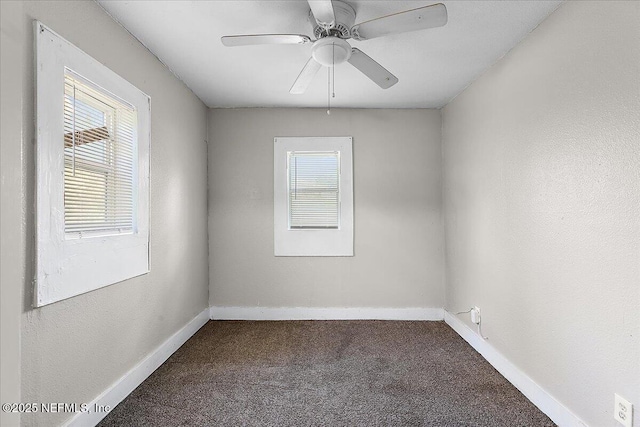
{"x":333,"y":68}
{"x":328,"y":92}
{"x":331,"y":93}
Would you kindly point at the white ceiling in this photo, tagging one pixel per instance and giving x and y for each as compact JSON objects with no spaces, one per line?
{"x":433,"y":65}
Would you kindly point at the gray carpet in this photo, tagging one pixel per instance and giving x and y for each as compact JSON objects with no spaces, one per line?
{"x":326,"y":373}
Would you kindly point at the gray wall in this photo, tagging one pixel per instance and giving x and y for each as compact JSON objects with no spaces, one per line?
{"x":12,"y":227}
{"x":542,"y":205}
{"x":75,"y":349}
{"x":398,"y":258}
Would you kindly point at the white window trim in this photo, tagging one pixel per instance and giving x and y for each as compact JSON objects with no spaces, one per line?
{"x":312,"y":242}
{"x":69,"y":267}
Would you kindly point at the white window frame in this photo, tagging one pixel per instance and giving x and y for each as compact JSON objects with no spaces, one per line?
{"x":68,"y":267}
{"x":312,"y":242}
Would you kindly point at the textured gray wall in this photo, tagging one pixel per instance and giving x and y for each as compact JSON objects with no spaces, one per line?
{"x":542,"y":205}
{"x":12,"y":272}
{"x":75,"y":349}
{"x":398,"y":258}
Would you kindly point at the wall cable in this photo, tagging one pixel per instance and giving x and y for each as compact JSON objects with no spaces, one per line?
{"x":479,"y":323}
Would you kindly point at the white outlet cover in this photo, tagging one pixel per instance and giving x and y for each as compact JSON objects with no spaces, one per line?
{"x":623,"y":411}
{"x":475,"y":315}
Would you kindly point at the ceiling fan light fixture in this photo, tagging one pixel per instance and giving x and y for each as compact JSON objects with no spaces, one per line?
{"x":331,"y":51}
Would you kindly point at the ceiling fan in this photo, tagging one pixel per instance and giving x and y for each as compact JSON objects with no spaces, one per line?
{"x":333,"y":23}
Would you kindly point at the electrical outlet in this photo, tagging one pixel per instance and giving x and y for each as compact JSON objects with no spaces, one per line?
{"x":623,"y":411}
{"x":475,"y":315}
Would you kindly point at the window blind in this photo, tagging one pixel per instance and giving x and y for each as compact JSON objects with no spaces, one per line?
{"x":99,"y":153}
{"x":314,"y":189}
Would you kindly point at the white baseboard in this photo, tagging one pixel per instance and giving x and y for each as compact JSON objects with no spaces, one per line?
{"x":132,"y":379}
{"x":559,"y":414}
{"x":326,"y":313}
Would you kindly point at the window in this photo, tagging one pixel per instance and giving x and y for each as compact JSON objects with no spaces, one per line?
{"x":98,"y":161}
{"x":313,"y":196}
{"x":314,"y":189}
{"x":92,"y":195}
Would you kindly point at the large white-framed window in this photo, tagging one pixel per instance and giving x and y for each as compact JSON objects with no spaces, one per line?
{"x":313,"y":196}
{"x":92,"y":167}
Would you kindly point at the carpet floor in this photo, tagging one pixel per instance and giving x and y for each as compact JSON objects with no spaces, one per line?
{"x":326,"y":373}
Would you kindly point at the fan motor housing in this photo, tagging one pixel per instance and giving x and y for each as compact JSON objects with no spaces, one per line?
{"x":345,"y":18}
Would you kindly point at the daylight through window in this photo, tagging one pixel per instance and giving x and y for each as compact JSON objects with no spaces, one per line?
{"x":313,"y":189}
{"x":99,"y":161}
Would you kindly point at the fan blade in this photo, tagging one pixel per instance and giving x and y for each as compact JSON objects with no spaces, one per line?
{"x":256,"y":39}
{"x":323,"y":12}
{"x":372,"y":69}
{"x":305,"y":77}
{"x":402,"y":22}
